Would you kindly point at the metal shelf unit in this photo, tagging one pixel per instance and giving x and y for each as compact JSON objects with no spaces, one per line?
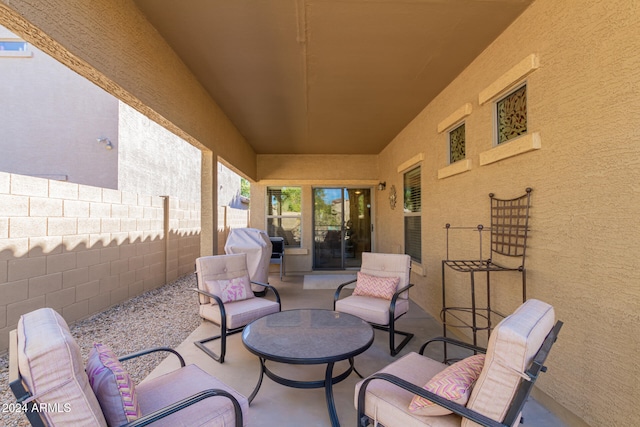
{"x":509,"y":230}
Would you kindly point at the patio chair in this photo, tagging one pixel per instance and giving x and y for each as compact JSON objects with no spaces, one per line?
{"x":277,"y":252}
{"x":418,"y":391}
{"x":52,"y":387}
{"x":381,"y":295}
{"x":226,"y":299}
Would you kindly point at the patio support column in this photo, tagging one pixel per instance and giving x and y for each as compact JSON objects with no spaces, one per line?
{"x":209,"y":203}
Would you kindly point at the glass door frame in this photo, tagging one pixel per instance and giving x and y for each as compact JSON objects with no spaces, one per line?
{"x":344,"y":229}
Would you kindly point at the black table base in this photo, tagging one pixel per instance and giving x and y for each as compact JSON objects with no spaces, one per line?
{"x":327,"y":383}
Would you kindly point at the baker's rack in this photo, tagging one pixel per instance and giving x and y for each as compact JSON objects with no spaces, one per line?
{"x":508,"y":231}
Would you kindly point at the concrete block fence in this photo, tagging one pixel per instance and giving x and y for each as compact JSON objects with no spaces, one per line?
{"x":81,"y":249}
{"x":229,"y":218}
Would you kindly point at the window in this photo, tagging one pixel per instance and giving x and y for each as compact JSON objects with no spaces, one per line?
{"x":284,"y":217}
{"x":13,"y":45}
{"x":15,"y":48}
{"x":457,"y":144}
{"x":412,"y":215}
{"x":511,"y":115}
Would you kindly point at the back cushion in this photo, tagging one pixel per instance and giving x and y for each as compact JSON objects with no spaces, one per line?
{"x":388,"y":265}
{"x":51,"y":365}
{"x":219,"y":267}
{"x":511,"y":349}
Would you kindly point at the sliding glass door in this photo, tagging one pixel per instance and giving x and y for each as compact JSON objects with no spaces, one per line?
{"x":342,"y":227}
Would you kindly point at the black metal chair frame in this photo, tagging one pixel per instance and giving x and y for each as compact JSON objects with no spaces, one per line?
{"x":22,"y":393}
{"x":509,"y":231}
{"x":391,"y":327}
{"x":517,"y":403}
{"x":224,"y":332}
{"x":277,"y":257}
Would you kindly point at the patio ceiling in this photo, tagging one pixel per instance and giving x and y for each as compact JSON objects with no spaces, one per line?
{"x":327,"y":76}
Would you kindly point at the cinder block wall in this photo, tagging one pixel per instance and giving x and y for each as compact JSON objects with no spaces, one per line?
{"x":229,"y":218}
{"x":81,"y":249}
{"x":184,"y":238}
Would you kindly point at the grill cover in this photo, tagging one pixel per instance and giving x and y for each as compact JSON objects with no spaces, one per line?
{"x":256,"y":244}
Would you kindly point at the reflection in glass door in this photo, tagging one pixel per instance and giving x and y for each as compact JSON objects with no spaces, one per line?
{"x":342,"y":227}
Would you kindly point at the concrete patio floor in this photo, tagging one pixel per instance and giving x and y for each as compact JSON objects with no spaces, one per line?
{"x":277,"y":405}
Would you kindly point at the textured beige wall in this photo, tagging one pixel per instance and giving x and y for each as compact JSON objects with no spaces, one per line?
{"x":317,"y":167}
{"x":80,"y":249}
{"x":112,"y":44}
{"x":306,"y":172}
{"x":583,"y":250}
{"x":583,"y":100}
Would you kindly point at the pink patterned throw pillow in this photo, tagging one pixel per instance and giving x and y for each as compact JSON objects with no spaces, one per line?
{"x":375,"y":286}
{"x":234,"y":289}
{"x":454,"y":383}
{"x":112,"y":385}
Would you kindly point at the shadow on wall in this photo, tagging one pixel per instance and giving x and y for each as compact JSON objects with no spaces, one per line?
{"x":79,"y":278}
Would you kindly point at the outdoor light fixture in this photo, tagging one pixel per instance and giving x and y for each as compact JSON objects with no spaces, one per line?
{"x":382,"y":185}
{"x":108,"y":145}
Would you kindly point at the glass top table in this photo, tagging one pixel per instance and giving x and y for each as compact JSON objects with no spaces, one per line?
{"x":308,"y":337}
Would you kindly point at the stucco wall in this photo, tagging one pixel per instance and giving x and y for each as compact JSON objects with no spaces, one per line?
{"x":229,"y":189}
{"x":153,"y":160}
{"x":42,"y":133}
{"x":307,"y":172}
{"x":337,"y":168}
{"x":112,"y":44}
{"x":583,"y":100}
{"x":55,"y":116}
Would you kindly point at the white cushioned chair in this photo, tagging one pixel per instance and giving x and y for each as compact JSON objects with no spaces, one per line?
{"x":48,"y":378}
{"x":369,"y":304}
{"x":226,"y":298}
{"x":515,"y":355}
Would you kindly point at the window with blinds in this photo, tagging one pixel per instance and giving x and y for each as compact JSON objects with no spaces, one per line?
{"x":412,"y":215}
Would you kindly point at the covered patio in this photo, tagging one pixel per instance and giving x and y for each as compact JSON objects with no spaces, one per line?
{"x":275,"y":404}
{"x":289,"y":407}
{"x":579,"y":62}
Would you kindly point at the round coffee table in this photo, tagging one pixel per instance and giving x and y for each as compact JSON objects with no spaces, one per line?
{"x":308,"y":337}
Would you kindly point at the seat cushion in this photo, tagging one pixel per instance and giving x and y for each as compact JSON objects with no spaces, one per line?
{"x":454,"y":383}
{"x":240,"y":313}
{"x":52,"y":367}
{"x":169,"y":388}
{"x":389,"y":404}
{"x":112,"y":385}
{"x":510,"y":351}
{"x":375,"y":286}
{"x":369,"y":309}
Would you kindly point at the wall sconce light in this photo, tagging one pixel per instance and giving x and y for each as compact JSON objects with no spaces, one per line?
{"x":107,"y":143}
{"x":382,"y":185}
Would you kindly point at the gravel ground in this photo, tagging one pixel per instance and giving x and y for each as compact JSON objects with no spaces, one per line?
{"x":162,"y":317}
